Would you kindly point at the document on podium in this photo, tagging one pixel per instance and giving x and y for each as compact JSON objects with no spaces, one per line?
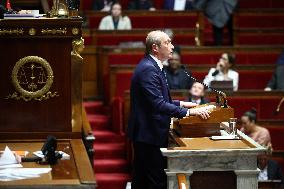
{"x":8,"y":159}
{"x":11,"y":174}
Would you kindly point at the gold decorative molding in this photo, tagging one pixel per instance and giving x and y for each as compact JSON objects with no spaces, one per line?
{"x":32,"y":77}
{"x":78,"y":47}
{"x":197,"y":34}
{"x":75,"y":31}
{"x":54,"y":31}
{"x":12,"y":31}
{"x":32,"y":31}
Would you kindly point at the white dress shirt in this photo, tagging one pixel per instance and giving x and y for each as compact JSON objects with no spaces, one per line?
{"x":106,"y":23}
{"x":232,"y":75}
{"x":263,"y":174}
{"x":159,"y":62}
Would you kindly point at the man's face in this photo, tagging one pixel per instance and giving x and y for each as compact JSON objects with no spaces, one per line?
{"x":197,"y":90}
{"x":116,"y":10}
{"x":165,"y":50}
{"x":262,"y":161}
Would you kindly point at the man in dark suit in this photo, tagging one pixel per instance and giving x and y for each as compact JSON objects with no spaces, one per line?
{"x":151,"y":109}
{"x":176,"y":77}
{"x":269,"y":169}
{"x":197,"y":93}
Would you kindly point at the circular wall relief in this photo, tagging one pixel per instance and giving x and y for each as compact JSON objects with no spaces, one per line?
{"x":32,"y":76}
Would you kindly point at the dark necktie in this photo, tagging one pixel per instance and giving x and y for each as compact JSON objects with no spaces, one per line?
{"x":165,"y":75}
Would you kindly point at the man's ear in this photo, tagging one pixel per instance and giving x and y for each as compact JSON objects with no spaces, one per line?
{"x":155,"y":48}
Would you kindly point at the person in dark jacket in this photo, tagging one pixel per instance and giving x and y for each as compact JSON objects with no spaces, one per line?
{"x":269,"y":169}
{"x":277,"y":80}
{"x":151,"y":109}
{"x":197,"y":93}
{"x":176,"y":77}
{"x":141,"y":5}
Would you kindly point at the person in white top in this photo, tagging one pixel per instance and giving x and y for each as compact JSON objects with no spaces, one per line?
{"x":115,"y":21}
{"x":223,"y":71}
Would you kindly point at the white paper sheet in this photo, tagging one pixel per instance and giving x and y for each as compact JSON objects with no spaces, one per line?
{"x":8,"y":157}
{"x":21,"y":173}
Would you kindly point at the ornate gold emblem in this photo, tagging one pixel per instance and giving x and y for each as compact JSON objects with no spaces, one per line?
{"x":54,"y":31}
{"x":12,"y":31}
{"x":32,"y":77}
{"x":32,"y":31}
{"x":75,"y":31}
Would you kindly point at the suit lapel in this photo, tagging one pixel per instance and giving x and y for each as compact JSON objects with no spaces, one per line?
{"x":162,"y":75}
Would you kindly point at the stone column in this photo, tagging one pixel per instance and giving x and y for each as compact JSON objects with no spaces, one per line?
{"x":172,"y":178}
{"x":247,"y":179}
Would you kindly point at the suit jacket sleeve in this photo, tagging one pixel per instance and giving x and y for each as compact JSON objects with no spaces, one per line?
{"x":151,"y":85}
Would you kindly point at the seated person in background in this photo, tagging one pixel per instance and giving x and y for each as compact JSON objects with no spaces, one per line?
{"x":277,"y":80}
{"x":141,"y":5}
{"x":102,"y":5}
{"x":223,"y":71}
{"x":197,"y":93}
{"x":178,"y":5}
{"x":176,"y":77}
{"x":115,"y":21}
{"x":257,"y":133}
{"x":269,"y":169}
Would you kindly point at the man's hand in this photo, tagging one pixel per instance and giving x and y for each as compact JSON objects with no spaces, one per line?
{"x":203,"y":112}
{"x":188,"y":104}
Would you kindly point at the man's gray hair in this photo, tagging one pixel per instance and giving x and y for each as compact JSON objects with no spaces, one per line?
{"x":153,"y":37}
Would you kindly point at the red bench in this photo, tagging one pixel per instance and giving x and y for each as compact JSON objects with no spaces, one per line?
{"x":152,"y":19}
{"x":120,"y":78}
{"x":259,"y":19}
{"x":244,"y":56}
{"x":263,"y":4}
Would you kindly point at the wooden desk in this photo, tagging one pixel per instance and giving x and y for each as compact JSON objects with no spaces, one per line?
{"x":75,"y":173}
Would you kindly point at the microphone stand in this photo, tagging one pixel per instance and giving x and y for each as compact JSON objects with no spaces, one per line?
{"x":220,"y":94}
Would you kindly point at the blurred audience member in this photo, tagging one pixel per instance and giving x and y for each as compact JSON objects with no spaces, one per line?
{"x":176,"y":77}
{"x":269,"y":169}
{"x":197,"y":93}
{"x":223,"y":71}
{"x":141,"y":5}
{"x":257,"y":133}
{"x":178,"y":5}
{"x":102,"y":5}
{"x":219,"y":14}
{"x":115,"y":21}
{"x":277,"y":80}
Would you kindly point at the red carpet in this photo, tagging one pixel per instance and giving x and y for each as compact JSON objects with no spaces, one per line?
{"x":110,"y":164}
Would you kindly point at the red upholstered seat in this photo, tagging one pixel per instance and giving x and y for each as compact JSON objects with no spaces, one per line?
{"x":260,"y":39}
{"x":242,"y":58}
{"x":251,"y":20}
{"x":265,"y":106}
{"x":164,"y":21}
{"x":261,"y":4}
{"x":123,"y":81}
{"x":276,"y":134}
{"x":254,"y":79}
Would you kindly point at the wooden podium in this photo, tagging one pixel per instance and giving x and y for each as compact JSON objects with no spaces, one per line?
{"x":40,"y":95}
{"x":204,"y":162}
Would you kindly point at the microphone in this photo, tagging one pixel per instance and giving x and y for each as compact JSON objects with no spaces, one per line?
{"x":215,"y":73}
{"x":31,"y":159}
{"x":48,"y":150}
{"x":219,"y":93}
